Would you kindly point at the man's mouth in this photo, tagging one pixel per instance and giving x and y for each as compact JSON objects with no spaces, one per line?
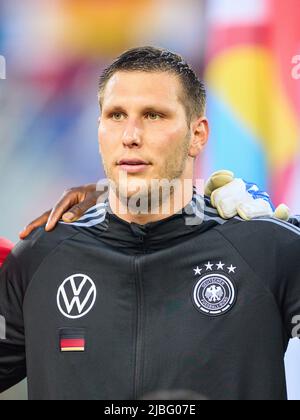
{"x":133,"y":165}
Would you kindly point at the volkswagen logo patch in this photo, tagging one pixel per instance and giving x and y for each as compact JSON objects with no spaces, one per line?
{"x":214,"y":294}
{"x":76,"y":296}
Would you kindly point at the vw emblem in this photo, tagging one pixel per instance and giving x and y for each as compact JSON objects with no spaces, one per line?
{"x":76,"y":296}
{"x":214,"y":295}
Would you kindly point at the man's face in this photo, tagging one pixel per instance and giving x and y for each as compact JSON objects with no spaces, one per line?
{"x":143,"y":119}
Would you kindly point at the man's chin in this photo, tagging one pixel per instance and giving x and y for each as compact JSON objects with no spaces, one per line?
{"x":131,"y":187}
{"x":131,"y":193}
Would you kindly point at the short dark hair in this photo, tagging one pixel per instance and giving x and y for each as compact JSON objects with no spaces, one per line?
{"x":151,"y":59}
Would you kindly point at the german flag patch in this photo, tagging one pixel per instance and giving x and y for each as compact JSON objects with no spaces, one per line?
{"x":72,"y":340}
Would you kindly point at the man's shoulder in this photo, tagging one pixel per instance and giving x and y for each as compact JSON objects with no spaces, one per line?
{"x":261,"y":232}
{"x":40,"y":243}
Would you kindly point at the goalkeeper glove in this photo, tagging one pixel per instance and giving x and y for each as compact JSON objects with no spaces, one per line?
{"x":232,"y":196}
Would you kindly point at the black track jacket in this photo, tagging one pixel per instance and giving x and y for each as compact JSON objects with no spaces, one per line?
{"x":105,"y":309}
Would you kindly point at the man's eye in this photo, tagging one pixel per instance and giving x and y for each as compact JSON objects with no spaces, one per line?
{"x":153,"y":116}
{"x":117,"y":116}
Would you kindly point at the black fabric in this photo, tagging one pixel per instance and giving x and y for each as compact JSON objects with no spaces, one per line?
{"x":295,"y":220}
{"x":144,"y":332}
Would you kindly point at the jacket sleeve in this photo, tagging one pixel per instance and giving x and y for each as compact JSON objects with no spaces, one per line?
{"x":12,"y":341}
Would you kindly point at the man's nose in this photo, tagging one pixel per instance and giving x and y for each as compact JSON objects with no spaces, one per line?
{"x":132,"y":135}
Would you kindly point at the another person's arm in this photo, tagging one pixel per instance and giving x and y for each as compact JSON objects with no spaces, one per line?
{"x":72,"y":205}
{"x":228,"y":195}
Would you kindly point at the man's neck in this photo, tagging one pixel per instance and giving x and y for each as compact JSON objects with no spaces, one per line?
{"x":172,"y":205}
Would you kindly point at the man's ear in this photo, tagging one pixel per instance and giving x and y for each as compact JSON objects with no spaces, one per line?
{"x":200,"y":133}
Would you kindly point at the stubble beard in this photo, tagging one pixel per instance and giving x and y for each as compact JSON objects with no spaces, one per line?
{"x":172,"y":170}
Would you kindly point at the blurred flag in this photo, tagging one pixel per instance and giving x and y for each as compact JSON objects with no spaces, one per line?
{"x":253,"y":98}
{"x":93,"y":27}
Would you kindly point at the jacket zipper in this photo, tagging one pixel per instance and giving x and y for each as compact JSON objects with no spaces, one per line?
{"x":139,"y":338}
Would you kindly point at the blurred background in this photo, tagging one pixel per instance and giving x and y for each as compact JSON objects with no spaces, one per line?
{"x":247,"y":52}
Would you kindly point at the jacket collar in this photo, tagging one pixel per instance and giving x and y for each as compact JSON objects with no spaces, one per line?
{"x":155,"y":235}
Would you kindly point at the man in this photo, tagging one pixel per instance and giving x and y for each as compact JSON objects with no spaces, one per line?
{"x":124,"y":302}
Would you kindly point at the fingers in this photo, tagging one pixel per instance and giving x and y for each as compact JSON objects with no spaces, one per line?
{"x":73,"y":204}
{"x":218,"y":180}
{"x":233,"y":199}
{"x":77,"y":211}
{"x":40,"y":221}
{"x":253,"y":208}
{"x":227,"y":208}
{"x":68,"y":200}
{"x":282,"y":212}
{"x":227,"y":198}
